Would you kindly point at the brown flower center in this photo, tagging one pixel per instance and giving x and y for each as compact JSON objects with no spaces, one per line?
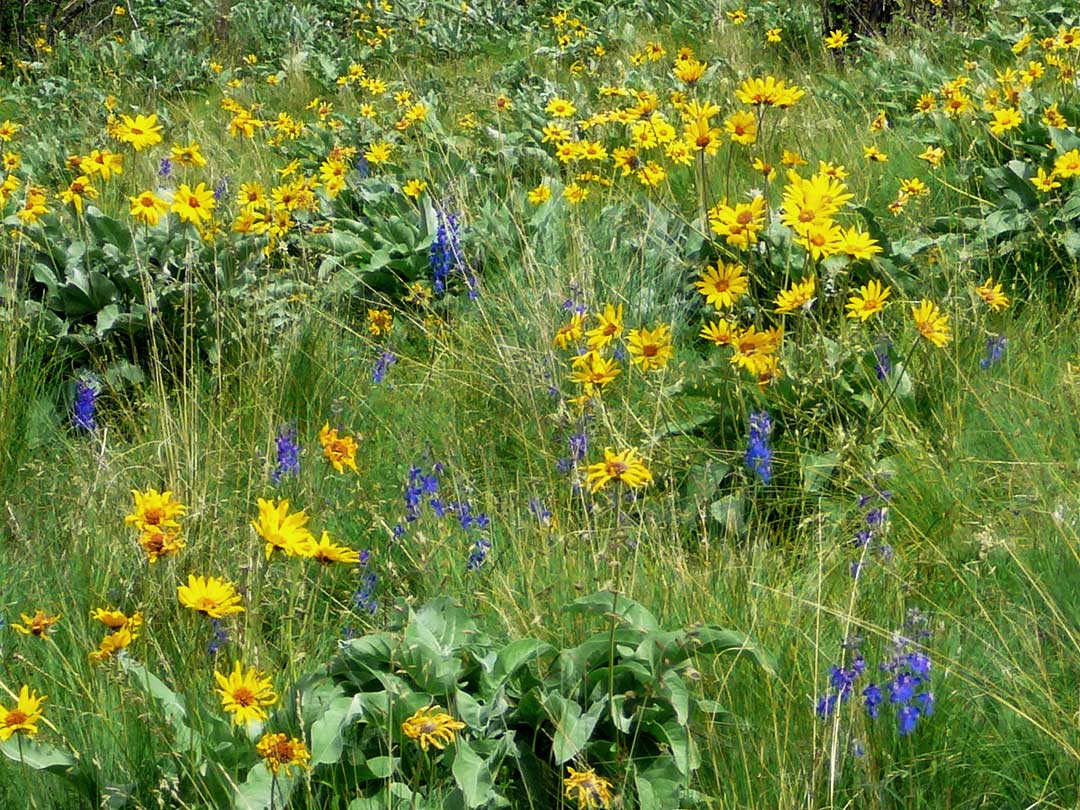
{"x":243,"y":696}
{"x":15,"y":717}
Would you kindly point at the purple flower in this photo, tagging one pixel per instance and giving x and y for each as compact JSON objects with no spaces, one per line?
{"x":758,"y":453}
{"x":82,"y":412}
{"x":382,"y":366}
{"x":995,"y":350}
{"x":873,"y":698}
{"x":907,"y":715}
{"x":288,"y":455}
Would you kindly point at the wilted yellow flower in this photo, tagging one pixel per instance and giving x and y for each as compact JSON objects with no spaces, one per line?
{"x":431,"y":726}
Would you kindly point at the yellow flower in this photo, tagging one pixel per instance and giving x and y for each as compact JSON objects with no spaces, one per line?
{"x":594,"y":372}
{"x":190,"y":155}
{"x":104,"y":163}
{"x":931,"y":323}
{"x":155,"y":510}
{"x":540,"y":194}
{"x":37,"y":625}
{"x":823,"y":240}
{"x":768,"y":92}
{"x":194,"y":205}
{"x":689,"y":71}
{"x":869,"y":301}
{"x":23,"y":717}
{"x":739,"y":224}
{"x":610,"y":327}
{"x":160,"y":542}
{"x":380,"y":322}
{"x":117,"y":619}
{"x":575,"y":194}
{"x":993,"y":295}
{"x":211,"y":596}
{"x":723,"y":285}
{"x":591,"y":791}
{"x":799,"y":296}
{"x":836,"y":40}
{"x":431,"y":726}
{"x":414,"y":188}
{"x":378,"y":153}
{"x":245,"y":695}
{"x":8,"y":129}
{"x":140,"y":132}
{"x":560,"y":108}
{"x":340,"y":451}
{"x":1045,"y":182}
{"x":114,"y":643}
{"x":1068,"y":164}
{"x":873,"y":154}
{"x":1005,"y":119}
{"x":626,"y":466}
{"x":773,"y":35}
{"x":571,"y":332}
{"x":283,"y":531}
{"x":79,"y":188}
{"x":742,"y":126}
{"x":651,"y":350}
{"x":933,"y":155}
{"x":279,"y":752}
{"x":858,"y":244}
{"x":738,"y":16}
{"x":148,"y":208}
{"x":326,"y":552}
{"x":722,"y":332}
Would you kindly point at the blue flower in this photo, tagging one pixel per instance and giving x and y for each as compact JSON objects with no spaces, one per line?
{"x":995,"y":350}
{"x":445,"y":252}
{"x":165,"y":169}
{"x":382,"y":366}
{"x":82,"y":414}
{"x":221,"y":637}
{"x":758,"y":453}
{"x":221,"y":188}
{"x":288,"y":455}
{"x":479,"y":555}
{"x":873,"y":698}
{"x":364,"y":599}
{"x":907,"y":716}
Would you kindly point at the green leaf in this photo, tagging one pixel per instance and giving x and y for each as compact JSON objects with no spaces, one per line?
{"x":254,"y":792}
{"x":472,"y":775}
{"x":327,"y":731}
{"x":817,"y":469}
{"x":572,"y":728}
{"x":515,"y":655}
{"x":607,"y":604}
{"x":170,"y":704}
{"x":37,"y":755}
{"x":108,"y":230}
{"x":709,"y":639}
{"x":730,"y":513}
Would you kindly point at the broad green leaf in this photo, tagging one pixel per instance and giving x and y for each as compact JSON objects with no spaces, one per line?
{"x":167,"y":700}
{"x":254,"y":792}
{"x":817,"y":469}
{"x":572,"y":728}
{"x":517,"y":654}
{"x":607,"y":604}
{"x":472,"y":775}
{"x":37,"y":755}
{"x":327,"y":731}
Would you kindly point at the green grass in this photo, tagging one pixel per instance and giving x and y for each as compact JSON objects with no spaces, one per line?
{"x":984,"y":516}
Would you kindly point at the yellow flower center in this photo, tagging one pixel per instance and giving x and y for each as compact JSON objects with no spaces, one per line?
{"x":204,"y":604}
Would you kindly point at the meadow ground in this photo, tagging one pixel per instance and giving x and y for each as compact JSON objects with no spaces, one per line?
{"x":605,"y":406}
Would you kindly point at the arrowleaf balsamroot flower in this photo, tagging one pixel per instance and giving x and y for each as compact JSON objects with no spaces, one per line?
{"x":155,"y":510}
{"x":723,"y":285}
{"x":626,"y":466}
{"x":37,"y":625}
{"x":113,"y":643}
{"x":194,"y":205}
{"x":591,"y":791}
{"x":23,"y":717}
{"x":140,"y":132}
{"x":340,"y":451}
{"x":610,"y":327}
{"x":283,"y":531}
{"x":245,"y":695}
{"x":160,"y":542}
{"x":868,"y":301}
{"x":280,"y":752}
{"x":326,"y":551}
{"x":148,"y":208}
{"x":931,"y":323}
{"x":210,"y":596}
{"x":993,"y":295}
{"x":799,"y":296}
{"x":431,"y":726}
{"x":650,"y":349}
